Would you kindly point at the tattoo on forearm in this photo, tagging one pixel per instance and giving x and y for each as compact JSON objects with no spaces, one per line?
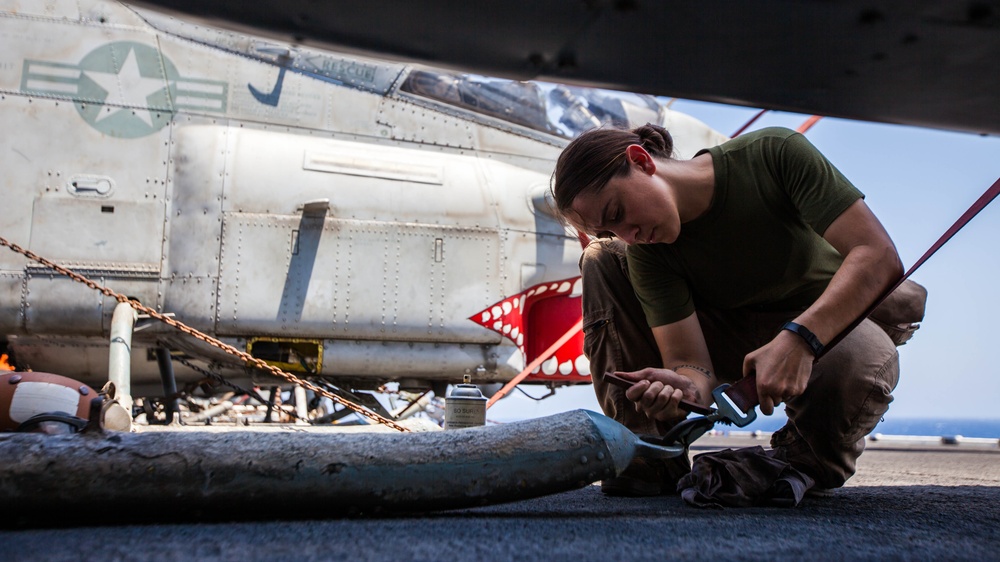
{"x":701,"y":370}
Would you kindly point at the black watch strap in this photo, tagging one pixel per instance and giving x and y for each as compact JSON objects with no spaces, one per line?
{"x":810,"y":338}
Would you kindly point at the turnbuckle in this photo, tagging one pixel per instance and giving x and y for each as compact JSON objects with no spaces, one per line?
{"x":726,"y":411}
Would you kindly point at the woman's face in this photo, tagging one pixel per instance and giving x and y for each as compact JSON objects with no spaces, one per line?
{"x":638,"y":208}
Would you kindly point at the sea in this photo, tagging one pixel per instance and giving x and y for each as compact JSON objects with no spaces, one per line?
{"x":517,"y":406}
{"x":936,"y":427}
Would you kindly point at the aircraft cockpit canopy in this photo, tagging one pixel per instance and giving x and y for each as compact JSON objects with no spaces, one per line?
{"x":553,"y":109}
{"x":564,"y":111}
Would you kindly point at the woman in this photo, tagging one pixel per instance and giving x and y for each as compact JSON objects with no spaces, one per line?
{"x":748,"y":257}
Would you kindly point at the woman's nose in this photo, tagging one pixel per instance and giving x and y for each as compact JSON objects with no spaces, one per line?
{"x":631,"y":235}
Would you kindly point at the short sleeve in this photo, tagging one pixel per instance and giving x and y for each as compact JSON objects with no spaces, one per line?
{"x":816,"y":187}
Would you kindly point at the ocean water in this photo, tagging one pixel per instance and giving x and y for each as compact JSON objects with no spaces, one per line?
{"x":937,"y":427}
{"x":516,"y":406}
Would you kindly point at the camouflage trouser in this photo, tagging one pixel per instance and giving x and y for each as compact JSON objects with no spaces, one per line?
{"x":848,"y":392}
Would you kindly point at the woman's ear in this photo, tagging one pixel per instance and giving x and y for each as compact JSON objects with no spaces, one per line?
{"x":637,"y":155}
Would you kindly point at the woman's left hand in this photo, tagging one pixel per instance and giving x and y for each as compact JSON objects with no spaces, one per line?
{"x":783,"y":367}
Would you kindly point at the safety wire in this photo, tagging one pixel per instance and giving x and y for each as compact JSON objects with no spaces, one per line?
{"x":250,"y":359}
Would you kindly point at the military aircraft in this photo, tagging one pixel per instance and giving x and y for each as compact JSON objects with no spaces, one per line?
{"x":928,"y":63}
{"x":350,"y":219}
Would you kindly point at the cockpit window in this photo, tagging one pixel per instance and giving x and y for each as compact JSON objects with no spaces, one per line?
{"x":564,"y":111}
{"x":518,"y":102}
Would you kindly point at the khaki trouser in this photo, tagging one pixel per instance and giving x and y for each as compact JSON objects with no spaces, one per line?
{"x":848,"y":392}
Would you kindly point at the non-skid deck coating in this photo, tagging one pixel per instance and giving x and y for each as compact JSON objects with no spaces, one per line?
{"x":905,"y":503}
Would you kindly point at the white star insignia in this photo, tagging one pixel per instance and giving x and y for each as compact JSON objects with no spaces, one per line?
{"x":127,"y":88}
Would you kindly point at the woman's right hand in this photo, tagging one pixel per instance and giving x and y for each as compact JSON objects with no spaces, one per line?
{"x":658,"y":392}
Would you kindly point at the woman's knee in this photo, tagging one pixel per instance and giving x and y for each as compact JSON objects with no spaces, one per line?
{"x":851,"y":387}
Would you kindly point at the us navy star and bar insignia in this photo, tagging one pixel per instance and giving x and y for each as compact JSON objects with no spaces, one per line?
{"x":133,"y":90}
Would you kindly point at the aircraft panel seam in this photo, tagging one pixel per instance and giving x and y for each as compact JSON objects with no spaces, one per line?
{"x":85,"y":22}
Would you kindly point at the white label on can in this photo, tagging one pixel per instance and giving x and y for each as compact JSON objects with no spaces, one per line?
{"x":464,"y":413}
{"x":33,"y":398}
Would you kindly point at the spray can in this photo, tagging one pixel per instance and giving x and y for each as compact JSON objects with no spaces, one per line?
{"x":465,"y":406}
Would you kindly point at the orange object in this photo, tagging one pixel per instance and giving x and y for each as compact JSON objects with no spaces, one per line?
{"x":577,"y":328}
{"x":808,"y":123}
{"x":27,"y":394}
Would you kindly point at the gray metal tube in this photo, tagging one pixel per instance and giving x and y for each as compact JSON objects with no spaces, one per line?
{"x":120,"y":353}
{"x":413,"y":407}
{"x":207,"y":414}
{"x":243,"y":473}
{"x":301,"y":406}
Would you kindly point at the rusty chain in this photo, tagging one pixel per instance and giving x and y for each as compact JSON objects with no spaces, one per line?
{"x":250,"y":359}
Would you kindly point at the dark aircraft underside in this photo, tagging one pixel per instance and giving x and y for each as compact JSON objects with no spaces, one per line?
{"x":924,"y":63}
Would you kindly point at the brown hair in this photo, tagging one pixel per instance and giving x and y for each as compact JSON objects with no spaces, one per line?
{"x":598,"y":155}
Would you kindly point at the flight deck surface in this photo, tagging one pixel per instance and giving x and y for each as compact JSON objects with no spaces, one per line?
{"x":908,"y":501}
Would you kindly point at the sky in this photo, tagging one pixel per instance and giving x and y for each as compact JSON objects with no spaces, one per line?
{"x":918,"y":182}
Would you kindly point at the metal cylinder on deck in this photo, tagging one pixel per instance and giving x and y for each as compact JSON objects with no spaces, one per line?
{"x":103,"y":476}
{"x":465,"y":406}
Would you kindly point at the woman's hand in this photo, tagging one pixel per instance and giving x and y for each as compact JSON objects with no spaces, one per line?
{"x":783,"y":368}
{"x":657,"y":392}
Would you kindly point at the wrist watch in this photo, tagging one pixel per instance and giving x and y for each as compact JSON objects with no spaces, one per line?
{"x":810,"y":338}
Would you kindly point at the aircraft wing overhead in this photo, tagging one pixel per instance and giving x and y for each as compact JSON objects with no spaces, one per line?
{"x":917,"y":62}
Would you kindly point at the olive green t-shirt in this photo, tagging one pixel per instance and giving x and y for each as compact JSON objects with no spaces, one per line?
{"x":760,"y":242}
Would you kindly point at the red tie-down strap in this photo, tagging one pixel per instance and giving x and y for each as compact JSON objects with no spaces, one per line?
{"x":743,"y":393}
